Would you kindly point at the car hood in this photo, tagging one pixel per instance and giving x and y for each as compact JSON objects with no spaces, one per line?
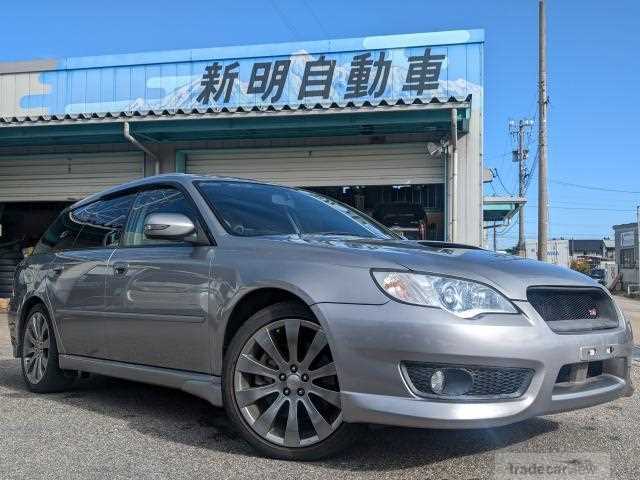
{"x":509,"y":274}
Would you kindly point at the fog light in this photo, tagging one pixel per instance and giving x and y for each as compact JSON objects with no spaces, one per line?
{"x":437,"y":382}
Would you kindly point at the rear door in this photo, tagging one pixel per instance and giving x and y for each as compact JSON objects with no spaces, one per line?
{"x":77,"y":277}
{"x":158,"y":291}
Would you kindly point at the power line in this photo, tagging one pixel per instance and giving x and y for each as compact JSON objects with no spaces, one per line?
{"x":591,"y":187}
{"x":506,"y":230}
{"x":315,"y":17}
{"x":497,"y":175}
{"x":564,"y":236}
{"x":286,"y":22}
{"x":573,"y":202}
{"x":502,"y":155}
{"x":562,"y":224}
{"x":589,"y":208}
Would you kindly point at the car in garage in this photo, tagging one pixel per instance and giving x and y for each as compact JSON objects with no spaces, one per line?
{"x":408,"y":219}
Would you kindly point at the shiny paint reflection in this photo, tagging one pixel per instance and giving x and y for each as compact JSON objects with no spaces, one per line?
{"x":160,"y":299}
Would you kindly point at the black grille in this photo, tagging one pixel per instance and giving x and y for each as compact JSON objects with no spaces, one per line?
{"x":487,"y":382}
{"x":573,"y":309}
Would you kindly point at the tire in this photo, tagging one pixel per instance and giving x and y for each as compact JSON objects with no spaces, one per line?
{"x":276,"y":436}
{"x":38,"y":339}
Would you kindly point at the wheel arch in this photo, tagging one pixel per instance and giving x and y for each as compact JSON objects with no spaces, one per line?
{"x":249,"y":303}
{"x":26,"y":307}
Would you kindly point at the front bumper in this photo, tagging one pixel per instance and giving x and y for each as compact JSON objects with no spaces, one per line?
{"x":370,"y":342}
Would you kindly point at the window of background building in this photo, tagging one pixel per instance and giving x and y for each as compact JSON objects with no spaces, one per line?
{"x":627,"y":258}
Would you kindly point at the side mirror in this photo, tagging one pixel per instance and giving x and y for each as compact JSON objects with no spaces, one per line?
{"x":168,"y":226}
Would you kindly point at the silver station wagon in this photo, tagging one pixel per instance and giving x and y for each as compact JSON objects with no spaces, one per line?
{"x":305,"y":318}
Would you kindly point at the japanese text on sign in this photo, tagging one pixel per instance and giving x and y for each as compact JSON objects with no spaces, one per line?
{"x":368,"y":75}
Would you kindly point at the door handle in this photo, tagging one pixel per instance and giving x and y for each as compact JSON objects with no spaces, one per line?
{"x":120,"y":268}
{"x":57,"y":270}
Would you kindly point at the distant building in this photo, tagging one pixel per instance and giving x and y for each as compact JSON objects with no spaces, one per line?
{"x":626,"y":238}
{"x":609,"y":249}
{"x":586,"y":248}
{"x":557,"y":251}
{"x":561,"y":251}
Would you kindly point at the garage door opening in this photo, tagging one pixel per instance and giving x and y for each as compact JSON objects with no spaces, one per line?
{"x":23,"y":223}
{"x":399,"y":184}
{"x":21,"y":226}
{"x":415,"y":211}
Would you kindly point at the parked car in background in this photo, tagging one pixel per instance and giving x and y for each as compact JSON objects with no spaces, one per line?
{"x":408,"y":219}
{"x":305,"y":318}
{"x":599,"y":275}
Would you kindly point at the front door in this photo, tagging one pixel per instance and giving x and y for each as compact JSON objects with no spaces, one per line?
{"x":157,"y":292}
{"x":77,"y":277}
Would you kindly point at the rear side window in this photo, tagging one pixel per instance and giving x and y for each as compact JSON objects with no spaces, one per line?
{"x":102,"y":222}
{"x":61,"y":235}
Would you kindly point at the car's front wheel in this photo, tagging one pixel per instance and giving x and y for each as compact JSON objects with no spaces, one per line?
{"x":281,"y":386}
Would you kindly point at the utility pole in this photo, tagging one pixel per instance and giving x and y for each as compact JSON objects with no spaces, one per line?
{"x":495,"y":237}
{"x":638,"y":237}
{"x":520,"y":155}
{"x":543,"y":194}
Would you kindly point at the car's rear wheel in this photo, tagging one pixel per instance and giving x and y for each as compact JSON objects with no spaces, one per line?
{"x":281,"y":387}
{"x":40,"y":368}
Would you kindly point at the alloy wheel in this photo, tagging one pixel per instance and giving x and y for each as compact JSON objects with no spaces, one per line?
{"x":286,"y":384}
{"x":36,"y":347}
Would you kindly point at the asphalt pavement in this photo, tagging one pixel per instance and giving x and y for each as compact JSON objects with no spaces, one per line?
{"x":631,"y":309}
{"x":112,"y":429}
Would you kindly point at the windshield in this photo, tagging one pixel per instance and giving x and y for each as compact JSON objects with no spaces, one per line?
{"x":254,"y":209}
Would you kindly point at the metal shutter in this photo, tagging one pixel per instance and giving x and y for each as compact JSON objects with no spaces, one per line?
{"x":384,"y":164}
{"x":65,"y":177}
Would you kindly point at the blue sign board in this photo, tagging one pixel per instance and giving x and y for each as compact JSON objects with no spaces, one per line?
{"x":370,"y":69}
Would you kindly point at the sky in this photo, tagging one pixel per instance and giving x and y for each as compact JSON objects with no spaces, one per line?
{"x":593,"y":74}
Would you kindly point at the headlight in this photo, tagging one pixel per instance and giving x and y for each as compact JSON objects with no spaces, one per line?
{"x":463,"y":298}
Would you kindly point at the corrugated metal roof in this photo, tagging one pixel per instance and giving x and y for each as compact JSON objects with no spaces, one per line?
{"x":214,"y":111}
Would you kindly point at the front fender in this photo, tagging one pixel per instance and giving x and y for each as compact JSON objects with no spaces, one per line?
{"x":313,"y":280}
{"x":221,"y":312}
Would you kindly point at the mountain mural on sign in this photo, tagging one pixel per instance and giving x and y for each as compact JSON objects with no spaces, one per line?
{"x":325,"y":73}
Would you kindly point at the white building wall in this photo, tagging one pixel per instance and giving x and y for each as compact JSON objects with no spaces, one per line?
{"x":469,"y":205}
{"x":557,"y":251}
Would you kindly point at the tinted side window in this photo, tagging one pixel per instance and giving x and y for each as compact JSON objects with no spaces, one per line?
{"x":163,"y":200}
{"x":61,"y":235}
{"x":102,"y":222}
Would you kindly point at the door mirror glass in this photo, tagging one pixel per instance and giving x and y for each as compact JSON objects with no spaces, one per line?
{"x":169,"y":226}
